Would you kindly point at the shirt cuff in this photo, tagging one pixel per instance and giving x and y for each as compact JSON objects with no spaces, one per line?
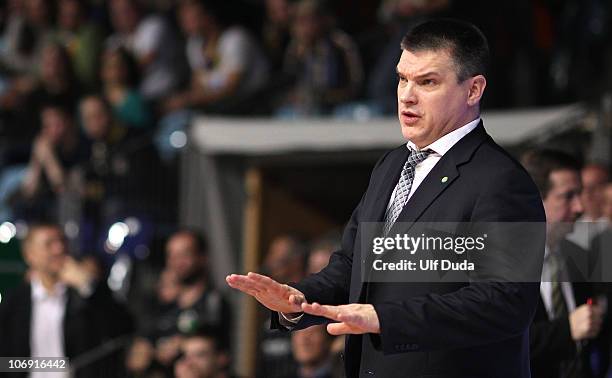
{"x":289,"y":322}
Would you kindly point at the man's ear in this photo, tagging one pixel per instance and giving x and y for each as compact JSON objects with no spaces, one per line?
{"x":476,"y":89}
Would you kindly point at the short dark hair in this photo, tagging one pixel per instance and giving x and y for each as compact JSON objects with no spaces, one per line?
{"x":466,"y":43}
{"x":199,"y":240}
{"x":36,"y":226}
{"x":541,"y":163}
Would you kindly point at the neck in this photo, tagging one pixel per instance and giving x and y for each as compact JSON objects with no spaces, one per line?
{"x":190,"y":294}
{"x":48,"y":281}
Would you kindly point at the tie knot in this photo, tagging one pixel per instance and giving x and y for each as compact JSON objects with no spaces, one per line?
{"x":417,"y":156}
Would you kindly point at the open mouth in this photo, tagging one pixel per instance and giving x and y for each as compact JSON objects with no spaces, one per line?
{"x":409,"y":117}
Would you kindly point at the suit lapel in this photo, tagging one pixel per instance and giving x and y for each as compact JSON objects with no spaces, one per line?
{"x":442,"y":176}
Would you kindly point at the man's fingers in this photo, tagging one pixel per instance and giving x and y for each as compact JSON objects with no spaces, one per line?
{"x":330,"y":312}
{"x":337,"y":329}
{"x":240,"y":282}
{"x":266,"y":281}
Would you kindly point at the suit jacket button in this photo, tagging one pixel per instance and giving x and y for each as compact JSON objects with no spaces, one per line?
{"x":370,"y":372}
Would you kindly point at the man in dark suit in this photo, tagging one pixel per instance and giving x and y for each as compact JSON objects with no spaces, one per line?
{"x":449,"y":171}
{"x":61,"y":311}
{"x":568,"y":319}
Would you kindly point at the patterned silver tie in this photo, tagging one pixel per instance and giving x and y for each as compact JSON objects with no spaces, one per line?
{"x":402,"y":190}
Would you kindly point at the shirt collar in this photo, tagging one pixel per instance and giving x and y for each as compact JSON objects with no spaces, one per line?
{"x":40,"y":293}
{"x":444,"y":143}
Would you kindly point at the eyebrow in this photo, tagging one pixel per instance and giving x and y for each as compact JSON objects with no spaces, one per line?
{"x":421,"y":76}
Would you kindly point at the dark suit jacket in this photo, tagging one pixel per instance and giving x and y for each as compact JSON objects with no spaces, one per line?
{"x":551,"y":341}
{"x":88,"y":323}
{"x":434,"y":329}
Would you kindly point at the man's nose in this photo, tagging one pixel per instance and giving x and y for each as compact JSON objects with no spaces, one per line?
{"x":407,"y":94}
{"x":577,"y":207}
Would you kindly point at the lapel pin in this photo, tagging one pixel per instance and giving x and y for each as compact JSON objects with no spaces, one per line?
{"x":444,"y":179}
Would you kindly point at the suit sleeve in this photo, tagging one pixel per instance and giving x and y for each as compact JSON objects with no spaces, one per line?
{"x":551,"y":341}
{"x":480,"y":312}
{"x":332,"y":284}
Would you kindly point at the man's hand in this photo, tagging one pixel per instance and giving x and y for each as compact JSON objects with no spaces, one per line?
{"x":275,"y":296}
{"x":75,"y":275}
{"x":353,"y":318}
{"x":585,"y":322}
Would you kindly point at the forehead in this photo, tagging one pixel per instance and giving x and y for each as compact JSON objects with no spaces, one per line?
{"x":43,"y":234}
{"x":181,"y":242}
{"x":415,"y":63}
{"x":565,"y":179}
{"x":198,"y":344}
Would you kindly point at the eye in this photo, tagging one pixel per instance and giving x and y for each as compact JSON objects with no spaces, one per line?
{"x":401,"y":79}
{"x":428,"y":82}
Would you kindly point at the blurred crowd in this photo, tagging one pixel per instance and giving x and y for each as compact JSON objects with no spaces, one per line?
{"x":90,"y":89}
{"x":171,"y":322}
{"x":95,"y":101}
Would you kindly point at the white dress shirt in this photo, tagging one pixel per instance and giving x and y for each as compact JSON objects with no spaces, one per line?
{"x":47,"y":325}
{"x":546,"y":288}
{"x":438,"y":148}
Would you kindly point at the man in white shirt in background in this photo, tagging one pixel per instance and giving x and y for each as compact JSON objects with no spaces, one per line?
{"x":568,"y":318}
{"x":61,"y":311}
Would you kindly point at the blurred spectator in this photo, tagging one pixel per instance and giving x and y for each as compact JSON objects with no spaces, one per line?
{"x":312,"y":351}
{"x":592,"y":221}
{"x":198,"y":306}
{"x":225,"y":60}
{"x":119,"y":77}
{"x":142,"y":352}
{"x":81,"y":38}
{"x":567,"y":325}
{"x":275,"y":31}
{"x":28,"y":22}
{"x":27,"y":95}
{"x":151,"y":40}
{"x":285,"y":259}
{"x":397,"y":16}
{"x":285,"y":262}
{"x":594,"y":179}
{"x":201,"y":357}
{"x":63,"y":310}
{"x":116,"y":176}
{"x":324,"y":62}
{"x":321,"y":251}
{"x":227,"y":69}
{"x":55,"y":151}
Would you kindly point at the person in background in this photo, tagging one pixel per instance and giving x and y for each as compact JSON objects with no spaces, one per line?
{"x":201,"y":357}
{"x":142,"y":352}
{"x":285,"y":260}
{"x":592,"y":221}
{"x":82,"y":39}
{"x":320,"y":252}
{"x":119,"y":77}
{"x":55,"y":153}
{"x":61,"y":310}
{"x":324,"y":62}
{"x":227,"y":70}
{"x":312,"y":351}
{"x":27,"y":95}
{"x":197,"y":305}
{"x":151,"y":40}
{"x":275,"y":32}
{"x":565,"y":330}
{"x":224,"y":60}
{"x":28,"y":22}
